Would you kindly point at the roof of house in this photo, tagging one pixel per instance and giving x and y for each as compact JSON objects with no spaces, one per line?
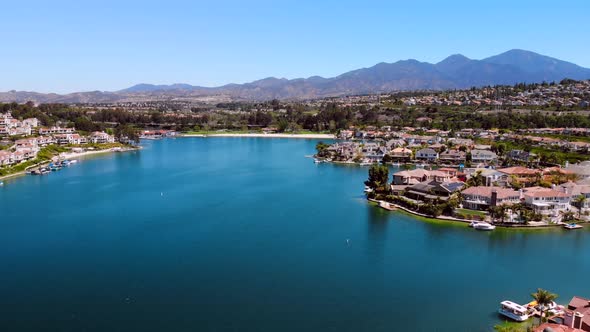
{"x":427,"y":151}
{"x":453,"y":153}
{"x":581,"y":305}
{"x":476,"y":153}
{"x":487,"y":192}
{"x":552,"y":327}
{"x":581,"y":168}
{"x":518,"y":170}
{"x":576,"y":189}
{"x":544,"y":192}
{"x":418,"y":172}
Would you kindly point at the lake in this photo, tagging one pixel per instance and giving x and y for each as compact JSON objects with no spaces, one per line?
{"x":246,"y":234}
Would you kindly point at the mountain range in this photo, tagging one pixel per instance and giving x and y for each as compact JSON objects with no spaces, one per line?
{"x":454,"y":72}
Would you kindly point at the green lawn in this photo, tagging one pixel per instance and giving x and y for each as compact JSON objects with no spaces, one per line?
{"x":471,"y":212}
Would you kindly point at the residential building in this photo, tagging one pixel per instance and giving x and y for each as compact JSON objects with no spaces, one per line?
{"x":520,"y":174}
{"x":99,"y":137}
{"x":582,"y":169}
{"x":427,"y":154}
{"x":482,"y":197}
{"x":453,"y":156}
{"x":577,"y":314}
{"x":546,"y":200}
{"x":483,"y":156}
{"x":419,"y":175}
{"x":433,"y":190}
{"x":56,"y":130}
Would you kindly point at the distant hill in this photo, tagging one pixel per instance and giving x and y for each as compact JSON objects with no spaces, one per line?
{"x":454,"y":72}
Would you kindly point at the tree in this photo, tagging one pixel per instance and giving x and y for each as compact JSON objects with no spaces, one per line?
{"x":476,"y":180}
{"x":580,"y":200}
{"x":498,"y":211}
{"x":321,"y":149}
{"x":544,"y":298}
{"x":378,"y":177}
{"x":567,"y":215}
{"x":128,"y":132}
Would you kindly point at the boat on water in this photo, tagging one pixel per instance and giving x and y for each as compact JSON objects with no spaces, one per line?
{"x":572,"y":226}
{"x":367,"y":189}
{"x":513,"y":311}
{"x":366,"y":163}
{"x":1,"y":183}
{"x":386,"y":206}
{"x":317,"y":161}
{"x":482,"y":226}
{"x":73,"y":161}
{"x":41,"y":171}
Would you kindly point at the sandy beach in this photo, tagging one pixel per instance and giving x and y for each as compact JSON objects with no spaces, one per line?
{"x":312,"y":136}
{"x":74,"y":155}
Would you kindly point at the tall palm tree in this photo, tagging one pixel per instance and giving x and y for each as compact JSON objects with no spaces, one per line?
{"x":580,"y":200}
{"x":543,"y":298}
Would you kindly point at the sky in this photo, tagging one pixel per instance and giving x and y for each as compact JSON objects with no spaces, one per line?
{"x":67,"y":46}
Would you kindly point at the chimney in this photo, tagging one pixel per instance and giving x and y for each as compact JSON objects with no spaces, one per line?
{"x":494,"y":201}
{"x":578,"y":320}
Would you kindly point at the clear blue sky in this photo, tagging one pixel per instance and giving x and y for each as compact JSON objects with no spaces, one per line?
{"x":64,"y":46}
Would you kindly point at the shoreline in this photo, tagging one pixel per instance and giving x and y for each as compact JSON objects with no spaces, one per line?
{"x":456,"y":221}
{"x":308,"y":136}
{"x":69,"y":156}
{"x":72,"y":155}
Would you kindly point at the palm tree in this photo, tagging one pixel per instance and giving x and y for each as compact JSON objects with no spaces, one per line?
{"x":567,"y":215}
{"x":544,"y":298}
{"x":580,"y":200}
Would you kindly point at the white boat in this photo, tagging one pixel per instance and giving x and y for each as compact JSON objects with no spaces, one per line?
{"x":482,"y":226}
{"x":73,"y":161}
{"x":386,"y":206}
{"x":367,"y":189}
{"x":317,"y":161}
{"x":572,"y":226}
{"x":513,"y":311}
{"x":1,"y":183}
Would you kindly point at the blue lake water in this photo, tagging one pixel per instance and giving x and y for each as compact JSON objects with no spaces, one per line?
{"x":246,"y":234}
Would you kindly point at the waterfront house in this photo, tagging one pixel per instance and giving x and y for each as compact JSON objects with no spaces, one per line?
{"x":576,"y":190}
{"x":483,"y":156}
{"x":482,"y":197}
{"x":577,"y":314}
{"x":427,"y":154}
{"x":419,"y":175}
{"x":401,"y":154}
{"x":554,"y":327}
{"x":547,"y":200}
{"x":433,"y":190}
{"x":99,"y":137}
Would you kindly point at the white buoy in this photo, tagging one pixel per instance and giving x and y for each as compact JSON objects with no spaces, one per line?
{"x":161,"y":194}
